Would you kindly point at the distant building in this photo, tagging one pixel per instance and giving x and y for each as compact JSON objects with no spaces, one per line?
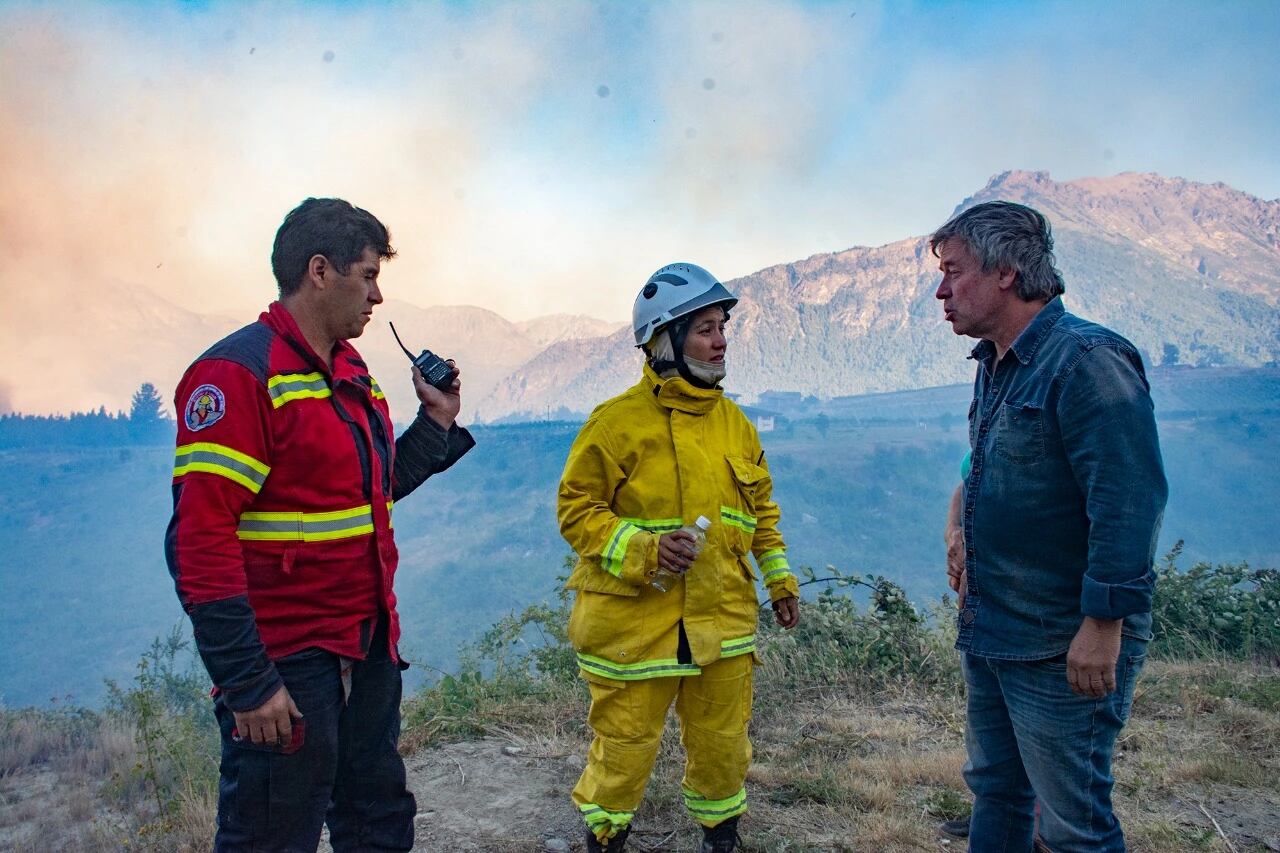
{"x":780,"y":400}
{"x":765,"y":420}
{"x":789,"y":404}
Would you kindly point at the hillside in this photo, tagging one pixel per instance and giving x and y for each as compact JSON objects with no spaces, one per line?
{"x":1188,"y":271}
{"x":865,"y":489}
{"x":108,"y":340}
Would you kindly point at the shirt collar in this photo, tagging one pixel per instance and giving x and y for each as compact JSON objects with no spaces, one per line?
{"x":1024,"y":347}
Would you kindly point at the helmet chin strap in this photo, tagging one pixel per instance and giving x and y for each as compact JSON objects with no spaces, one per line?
{"x":677,"y":333}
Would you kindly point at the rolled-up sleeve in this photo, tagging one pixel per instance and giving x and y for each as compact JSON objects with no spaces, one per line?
{"x":1109,"y":434}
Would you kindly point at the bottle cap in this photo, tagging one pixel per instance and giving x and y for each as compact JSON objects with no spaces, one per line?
{"x":703,"y":522}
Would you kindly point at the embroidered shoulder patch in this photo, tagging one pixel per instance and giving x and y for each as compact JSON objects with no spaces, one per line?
{"x":205,"y":407}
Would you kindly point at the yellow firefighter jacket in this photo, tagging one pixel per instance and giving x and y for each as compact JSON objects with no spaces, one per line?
{"x":648,"y":462}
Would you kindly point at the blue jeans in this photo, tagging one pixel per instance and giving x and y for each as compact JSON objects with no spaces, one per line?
{"x":347,"y":773}
{"x":1031,"y":738}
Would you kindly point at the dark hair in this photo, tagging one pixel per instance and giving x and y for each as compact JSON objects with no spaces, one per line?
{"x":1005,"y":235}
{"x":331,"y":227}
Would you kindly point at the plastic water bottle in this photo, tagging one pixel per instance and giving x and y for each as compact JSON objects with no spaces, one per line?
{"x":664,"y":580}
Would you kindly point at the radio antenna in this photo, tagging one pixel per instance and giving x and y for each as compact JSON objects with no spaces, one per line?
{"x":402,"y":346}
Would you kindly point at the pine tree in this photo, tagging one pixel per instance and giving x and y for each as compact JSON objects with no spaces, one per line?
{"x":147,"y":406}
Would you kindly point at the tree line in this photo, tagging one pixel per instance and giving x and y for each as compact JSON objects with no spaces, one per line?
{"x":146,"y":422}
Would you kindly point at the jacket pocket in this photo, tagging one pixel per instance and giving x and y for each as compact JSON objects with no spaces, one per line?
{"x":612,"y":627}
{"x":740,"y":521}
{"x":749,"y":477}
{"x":588,"y":576}
{"x":1020,"y":433}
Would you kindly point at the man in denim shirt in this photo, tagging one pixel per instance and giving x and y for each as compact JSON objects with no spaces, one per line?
{"x":1058,"y":518}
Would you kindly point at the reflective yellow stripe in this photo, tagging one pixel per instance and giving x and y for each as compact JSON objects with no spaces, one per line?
{"x":635,"y":671}
{"x":740,"y":646}
{"x":656,"y":525}
{"x":615,"y":550}
{"x":737,"y":518}
{"x":773,"y":565}
{"x":280,"y":526}
{"x":288,"y":387}
{"x":702,"y":808}
{"x":306,"y":526}
{"x":596,"y":816}
{"x":210,"y":458}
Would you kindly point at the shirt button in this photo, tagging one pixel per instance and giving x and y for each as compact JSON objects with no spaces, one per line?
{"x":967,"y":617}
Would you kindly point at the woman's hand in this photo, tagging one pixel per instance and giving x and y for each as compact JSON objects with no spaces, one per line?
{"x":675,"y":551}
{"x":787,"y":611}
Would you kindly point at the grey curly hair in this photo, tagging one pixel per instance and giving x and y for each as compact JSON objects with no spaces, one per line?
{"x":1006,"y":235}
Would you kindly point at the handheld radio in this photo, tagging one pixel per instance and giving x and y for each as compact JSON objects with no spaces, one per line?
{"x":434,"y":368}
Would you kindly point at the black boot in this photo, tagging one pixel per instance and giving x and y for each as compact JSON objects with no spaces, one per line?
{"x":721,"y":838}
{"x":614,"y":845}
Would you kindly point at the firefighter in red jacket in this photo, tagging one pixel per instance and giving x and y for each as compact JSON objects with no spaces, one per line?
{"x":282,"y":551}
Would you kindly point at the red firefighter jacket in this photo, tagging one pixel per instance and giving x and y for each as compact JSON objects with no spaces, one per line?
{"x":283,"y":484}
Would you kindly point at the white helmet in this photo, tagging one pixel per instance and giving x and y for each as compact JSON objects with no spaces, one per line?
{"x":672,"y":292}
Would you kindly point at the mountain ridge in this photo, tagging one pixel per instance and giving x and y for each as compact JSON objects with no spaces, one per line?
{"x":1186,"y":270}
{"x":864,"y":319}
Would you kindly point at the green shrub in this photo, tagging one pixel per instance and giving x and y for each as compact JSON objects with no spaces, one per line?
{"x":1228,"y":609}
{"x":33,"y":736}
{"x":168,"y":706}
{"x":889,"y":641}
{"x":524,"y":660}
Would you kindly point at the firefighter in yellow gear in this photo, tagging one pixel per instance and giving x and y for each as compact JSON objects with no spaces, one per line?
{"x":646,"y":464}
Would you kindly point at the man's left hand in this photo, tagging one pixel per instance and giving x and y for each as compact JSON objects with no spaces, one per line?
{"x":1091,"y":660}
{"x":441,"y":406}
{"x":787,"y":611}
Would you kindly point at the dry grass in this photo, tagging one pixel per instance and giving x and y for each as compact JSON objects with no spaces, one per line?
{"x":72,"y":782}
{"x":835,"y":769}
{"x":841,"y":769}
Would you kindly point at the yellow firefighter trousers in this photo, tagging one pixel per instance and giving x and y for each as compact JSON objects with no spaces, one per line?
{"x":714,"y":708}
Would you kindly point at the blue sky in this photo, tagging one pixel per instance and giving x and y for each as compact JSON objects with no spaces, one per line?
{"x":545,"y":157}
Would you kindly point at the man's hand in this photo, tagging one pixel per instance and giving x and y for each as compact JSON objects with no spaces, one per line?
{"x":955,"y":558}
{"x":1091,"y":660}
{"x":953,"y":536}
{"x":675,"y":551}
{"x":271,"y":723}
{"x":786,"y":611}
{"x":441,"y":406}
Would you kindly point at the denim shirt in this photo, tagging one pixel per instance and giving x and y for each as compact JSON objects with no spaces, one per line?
{"x":1065,"y":493}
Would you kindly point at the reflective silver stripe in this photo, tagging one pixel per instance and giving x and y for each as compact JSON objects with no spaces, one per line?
{"x":774,"y":565}
{"x":306,"y":527}
{"x":737,"y":518}
{"x":657,"y":525}
{"x":596,"y":816}
{"x":615,"y":551}
{"x":635,"y":671}
{"x":287,"y":387}
{"x":700,"y":807}
{"x":741,"y":646}
{"x":224,"y":461}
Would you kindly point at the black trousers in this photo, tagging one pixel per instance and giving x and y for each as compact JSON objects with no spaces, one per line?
{"x":347,"y":773}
